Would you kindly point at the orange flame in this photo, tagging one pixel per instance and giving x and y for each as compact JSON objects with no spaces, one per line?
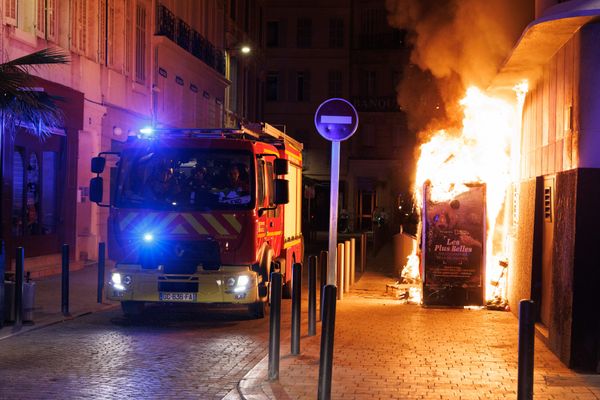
{"x":485,"y":150}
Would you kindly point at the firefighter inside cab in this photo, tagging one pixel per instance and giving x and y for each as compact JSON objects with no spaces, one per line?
{"x":202,"y":216}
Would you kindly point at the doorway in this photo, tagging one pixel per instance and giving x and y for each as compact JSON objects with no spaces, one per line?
{"x":367,"y":200}
{"x":541,"y":290}
{"x":36,"y":176}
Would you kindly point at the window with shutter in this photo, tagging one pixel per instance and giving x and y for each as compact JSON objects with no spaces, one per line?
{"x":40,"y":19}
{"x":102,"y":32}
{"x":78,"y":26}
{"x":127,"y":48}
{"x":140,"y":43}
{"x":112,"y":21}
{"x":51,"y":19}
{"x":10,"y":12}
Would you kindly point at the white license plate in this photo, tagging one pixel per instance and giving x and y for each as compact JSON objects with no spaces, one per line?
{"x":167,"y":296}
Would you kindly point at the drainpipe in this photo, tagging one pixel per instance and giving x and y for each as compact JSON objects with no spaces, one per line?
{"x":154,"y":64}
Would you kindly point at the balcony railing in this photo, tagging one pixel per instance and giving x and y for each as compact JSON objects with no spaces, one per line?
{"x":178,"y":31}
{"x":388,"y":40}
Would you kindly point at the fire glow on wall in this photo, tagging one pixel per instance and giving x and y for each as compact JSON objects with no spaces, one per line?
{"x":464,"y":175}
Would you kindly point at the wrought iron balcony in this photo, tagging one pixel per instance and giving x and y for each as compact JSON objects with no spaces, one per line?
{"x":178,"y":31}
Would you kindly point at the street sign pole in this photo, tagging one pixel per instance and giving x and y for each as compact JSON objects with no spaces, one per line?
{"x":336,"y":120}
{"x":333,"y":212}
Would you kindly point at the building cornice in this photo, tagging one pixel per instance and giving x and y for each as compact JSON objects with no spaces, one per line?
{"x":542,"y":39}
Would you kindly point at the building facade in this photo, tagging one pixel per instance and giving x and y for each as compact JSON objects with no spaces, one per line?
{"x":315,"y":51}
{"x":555,"y":198}
{"x":133,"y":63}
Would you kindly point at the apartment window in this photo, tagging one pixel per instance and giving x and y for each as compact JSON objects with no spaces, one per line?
{"x":273,"y":34}
{"x":303,"y":86}
{"x":334,"y":83}
{"x":79,"y":23}
{"x":373,"y":24}
{"x":368,"y":83}
{"x":140,"y":43}
{"x":127,"y":37}
{"x":10,"y":12}
{"x":396,"y":76}
{"x":272,"y":89}
{"x":46,"y":19}
{"x":304,"y":33}
{"x":233,"y":9}
{"x":247,"y":6}
{"x":233,"y":88}
{"x":102,"y":30}
{"x":336,"y":33}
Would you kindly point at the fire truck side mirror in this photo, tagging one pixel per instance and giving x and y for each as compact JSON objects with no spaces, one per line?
{"x":96,"y":189}
{"x":282,"y":191}
{"x":98,"y":164}
{"x":280,"y":166}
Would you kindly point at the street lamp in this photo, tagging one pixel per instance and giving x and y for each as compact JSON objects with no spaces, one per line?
{"x":239,"y":52}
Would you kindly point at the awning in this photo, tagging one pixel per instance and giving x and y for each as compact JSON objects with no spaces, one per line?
{"x":543,"y":38}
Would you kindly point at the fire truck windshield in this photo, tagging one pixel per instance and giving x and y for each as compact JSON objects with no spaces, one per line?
{"x":185,"y":179}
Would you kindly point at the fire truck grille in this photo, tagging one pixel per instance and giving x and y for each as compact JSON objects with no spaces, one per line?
{"x":184,"y":257}
{"x":184,"y":287}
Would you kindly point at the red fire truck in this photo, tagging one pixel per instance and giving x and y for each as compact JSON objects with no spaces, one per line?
{"x":202,"y":215}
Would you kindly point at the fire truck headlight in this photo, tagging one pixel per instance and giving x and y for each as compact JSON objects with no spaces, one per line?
{"x":230,"y":282}
{"x":243,"y":280}
{"x":242,"y":283}
{"x":117,"y":281}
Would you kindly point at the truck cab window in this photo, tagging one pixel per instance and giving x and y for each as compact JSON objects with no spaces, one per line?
{"x":260,"y":182}
{"x":270,"y":190}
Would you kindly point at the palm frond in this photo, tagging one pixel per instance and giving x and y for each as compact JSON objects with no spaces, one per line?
{"x":20,"y":103}
{"x":38,"y":58}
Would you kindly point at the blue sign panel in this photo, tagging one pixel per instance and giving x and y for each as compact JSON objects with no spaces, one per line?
{"x":336,"y":119}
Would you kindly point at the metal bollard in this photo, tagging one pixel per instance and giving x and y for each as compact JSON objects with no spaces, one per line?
{"x":2,"y":270}
{"x":347,"y":266}
{"x":312,"y":295}
{"x":340,"y":271}
{"x":296,"y":302}
{"x":275,"y":326}
{"x":363,"y":252}
{"x":101,"y":267}
{"x":526,"y":349}
{"x":65,"y":280}
{"x":19,"y":272}
{"x":323,"y":264}
{"x":327,"y":335}
{"x":352,"y":261}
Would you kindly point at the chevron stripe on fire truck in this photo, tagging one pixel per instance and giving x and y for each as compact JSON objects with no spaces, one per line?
{"x":181,"y":223}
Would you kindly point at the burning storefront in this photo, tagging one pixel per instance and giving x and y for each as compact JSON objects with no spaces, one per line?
{"x":535,"y":153}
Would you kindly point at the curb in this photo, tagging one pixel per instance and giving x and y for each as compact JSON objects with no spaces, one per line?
{"x":50,"y":321}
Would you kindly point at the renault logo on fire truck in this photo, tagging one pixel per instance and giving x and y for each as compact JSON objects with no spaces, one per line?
{"x":179,"y":251}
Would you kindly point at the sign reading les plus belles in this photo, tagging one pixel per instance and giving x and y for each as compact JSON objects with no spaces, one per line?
{"x":453,"y":248}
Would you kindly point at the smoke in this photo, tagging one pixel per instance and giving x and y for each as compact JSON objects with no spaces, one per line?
{"x":455,"y":44}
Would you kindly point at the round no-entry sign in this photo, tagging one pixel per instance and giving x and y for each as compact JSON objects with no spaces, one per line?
{"x":336,"y":119}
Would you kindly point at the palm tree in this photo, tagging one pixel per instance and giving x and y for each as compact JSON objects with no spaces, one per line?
{"x":20,"y":103}
{"x":23,"y":104}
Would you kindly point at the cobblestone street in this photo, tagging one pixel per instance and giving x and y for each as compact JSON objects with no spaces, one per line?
{"x":164,"y":354}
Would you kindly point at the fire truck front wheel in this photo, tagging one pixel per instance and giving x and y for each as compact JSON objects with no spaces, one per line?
{"x":132,"y":308}
{"x":257,"y":310}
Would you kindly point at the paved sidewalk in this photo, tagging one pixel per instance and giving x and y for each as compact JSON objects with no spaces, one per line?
{"x":386,"y":350}
{"x":47,"y":307}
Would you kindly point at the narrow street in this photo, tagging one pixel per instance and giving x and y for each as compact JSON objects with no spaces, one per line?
{"x":166,"y":353}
